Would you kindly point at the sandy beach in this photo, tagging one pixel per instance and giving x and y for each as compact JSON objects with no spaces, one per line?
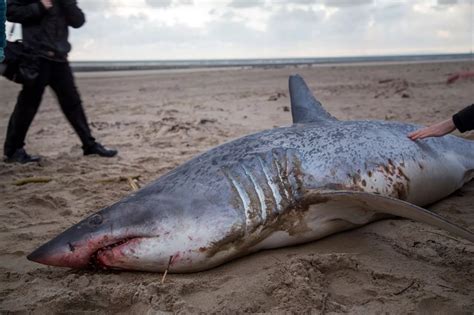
{"x":158,"y":120}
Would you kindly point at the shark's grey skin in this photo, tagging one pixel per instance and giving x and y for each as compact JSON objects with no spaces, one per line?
{"x":271,"y":189}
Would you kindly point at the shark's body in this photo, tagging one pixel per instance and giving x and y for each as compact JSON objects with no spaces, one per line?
{"x":271,"y":189}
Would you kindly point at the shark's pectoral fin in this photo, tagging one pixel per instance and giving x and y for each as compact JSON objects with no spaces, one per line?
{"x":305,"y":108}
{"x":387,"y":205}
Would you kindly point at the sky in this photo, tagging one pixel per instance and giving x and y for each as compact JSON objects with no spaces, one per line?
{"x":234,"y":29}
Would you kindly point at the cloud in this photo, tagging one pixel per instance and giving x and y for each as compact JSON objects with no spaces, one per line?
{"x":447,"y":2}
{"x":295,"y":25}
{"x":298,"y":1}
{"x":181,"y":29}
{"x":159,"y":3}
{"x":346,"y":3}
{"x":95,"y":6}
{"x":327,"y":3}
{"x":246,"y":3}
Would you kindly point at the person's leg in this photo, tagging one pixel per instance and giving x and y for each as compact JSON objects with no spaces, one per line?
{"x":62,"y":82}
{"x":25,"y":110}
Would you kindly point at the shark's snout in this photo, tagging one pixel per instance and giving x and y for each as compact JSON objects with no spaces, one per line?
{"x":94,"y":253}
{"x":58,"y":252}
{"x":76,"y":247}
{"x":40,"y":255}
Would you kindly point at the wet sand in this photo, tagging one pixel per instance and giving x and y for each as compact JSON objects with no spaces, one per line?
{"x":158,"y":120}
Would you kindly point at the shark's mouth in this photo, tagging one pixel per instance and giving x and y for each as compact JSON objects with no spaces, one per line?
{"x":101,"y":258}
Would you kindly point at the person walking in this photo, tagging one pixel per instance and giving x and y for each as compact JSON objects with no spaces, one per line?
{"x":45,"y":31}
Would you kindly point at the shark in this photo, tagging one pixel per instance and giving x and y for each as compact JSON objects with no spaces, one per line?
{"x":275,"y":188}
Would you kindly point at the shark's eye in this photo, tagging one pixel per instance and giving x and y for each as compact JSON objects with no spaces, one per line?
{"x":96,"y":219}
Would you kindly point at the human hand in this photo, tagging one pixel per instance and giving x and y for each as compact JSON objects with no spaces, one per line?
{"x":437,"y":130}
{"x":48,"y":4}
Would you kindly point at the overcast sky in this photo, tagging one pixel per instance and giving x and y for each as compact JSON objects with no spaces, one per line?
{"x":210,"y":29}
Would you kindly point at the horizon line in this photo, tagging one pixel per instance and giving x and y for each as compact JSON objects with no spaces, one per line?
{"x":470,"y":53}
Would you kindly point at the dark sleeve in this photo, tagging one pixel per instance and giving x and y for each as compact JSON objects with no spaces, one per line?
{"x":2,"y":29}
{"x":464,"y":120}
{"x":19,"y":11}
{"x":74,"y":15}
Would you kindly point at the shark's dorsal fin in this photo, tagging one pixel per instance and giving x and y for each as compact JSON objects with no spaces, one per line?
{"x":305,"y":108}
{"x":384,"y":205}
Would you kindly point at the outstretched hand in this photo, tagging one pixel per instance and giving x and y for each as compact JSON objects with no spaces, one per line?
{"x":437,"y":130}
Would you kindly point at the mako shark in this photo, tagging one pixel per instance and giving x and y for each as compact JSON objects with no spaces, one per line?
{"x":271,"y":189}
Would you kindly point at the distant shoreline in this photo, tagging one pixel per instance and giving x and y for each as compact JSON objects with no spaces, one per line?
{"x":93,"y":66}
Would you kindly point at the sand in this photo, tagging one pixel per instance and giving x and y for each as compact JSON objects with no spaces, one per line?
{"x":159,"y":119}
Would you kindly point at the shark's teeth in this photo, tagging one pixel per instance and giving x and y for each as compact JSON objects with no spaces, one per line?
{"x":94,"y":261}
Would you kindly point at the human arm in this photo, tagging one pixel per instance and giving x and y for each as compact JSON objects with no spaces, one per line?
{"x":74,"y":15}
{"x":21,"y":11}
{"x":437,"y":130}
{"x":464,"y":120}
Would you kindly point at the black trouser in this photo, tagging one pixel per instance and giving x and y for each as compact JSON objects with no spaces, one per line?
{"x":58,"y":76}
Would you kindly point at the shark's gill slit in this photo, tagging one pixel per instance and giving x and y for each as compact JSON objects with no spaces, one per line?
{"x":260,"y":194}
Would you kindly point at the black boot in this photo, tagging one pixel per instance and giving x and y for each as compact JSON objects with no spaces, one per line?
{"x":20,"y":156}
{"x":99,"y":149}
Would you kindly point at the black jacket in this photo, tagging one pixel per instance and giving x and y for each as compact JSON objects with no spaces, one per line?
{"x":464,"y":120}
{"x":46,"y":31}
